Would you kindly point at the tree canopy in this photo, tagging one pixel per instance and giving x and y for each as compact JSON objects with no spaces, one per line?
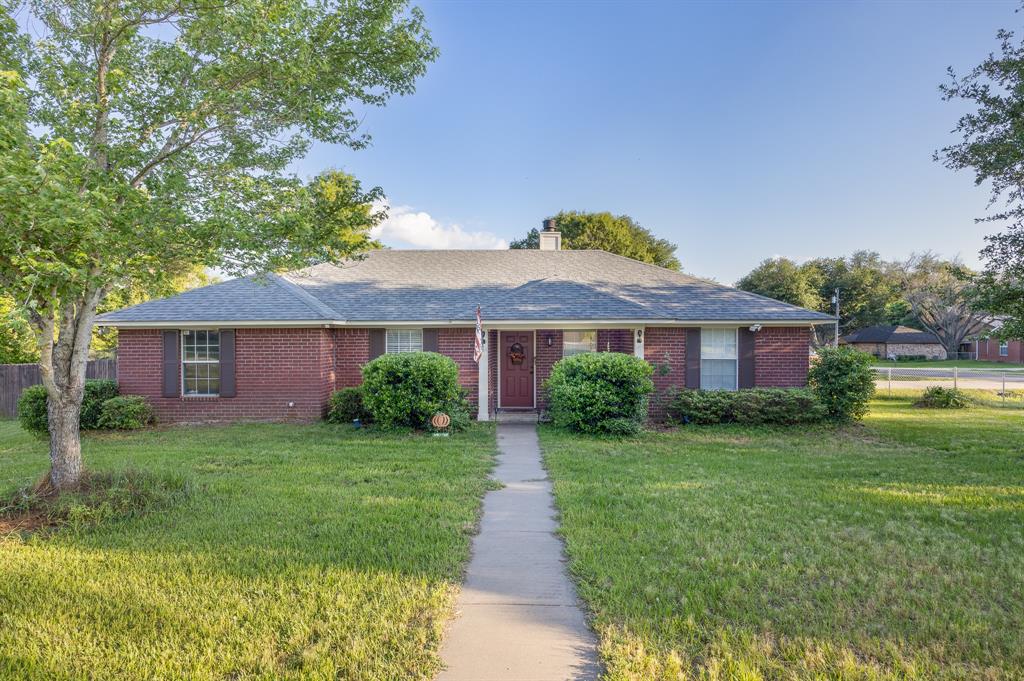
{"x":992,"y":146}
{"x":782,"y":279}
{"x":619,"y":234}
{"x":141,"y":138}
{"x":924,"y":291}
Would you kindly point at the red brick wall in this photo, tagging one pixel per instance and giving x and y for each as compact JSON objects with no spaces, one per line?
{"x":665,"y":350}
{"x":545,"y":360}
{"x":272,"y":368}
{"x":781,"y":357}
{"x":352,"y":352}
{"x":989,"y":351}
{"x":615,"y":340}
{"x":458,"y":344}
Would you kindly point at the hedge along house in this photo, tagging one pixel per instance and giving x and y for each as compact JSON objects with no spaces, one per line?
{"x":274,"y":348}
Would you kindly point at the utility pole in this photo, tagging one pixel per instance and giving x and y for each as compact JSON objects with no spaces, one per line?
{"x":835,"y":301}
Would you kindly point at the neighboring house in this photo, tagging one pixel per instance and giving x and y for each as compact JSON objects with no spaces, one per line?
{"x":990,"y":349}
{"x":889,"y":342}
{"x":276,"y":348}
{"x":995,"y":350}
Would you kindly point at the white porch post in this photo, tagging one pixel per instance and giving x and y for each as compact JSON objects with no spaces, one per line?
{"x":638,"y":342}
{"x":483,"y":411}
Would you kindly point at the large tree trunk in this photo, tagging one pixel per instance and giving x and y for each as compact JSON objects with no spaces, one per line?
{"x":63,"y":358}
{"x":65,"y":443}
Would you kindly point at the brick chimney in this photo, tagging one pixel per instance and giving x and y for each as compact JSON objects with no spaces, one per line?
{"x":550,"y":237}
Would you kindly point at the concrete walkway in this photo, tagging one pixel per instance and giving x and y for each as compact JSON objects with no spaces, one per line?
{"x":518,"y":616}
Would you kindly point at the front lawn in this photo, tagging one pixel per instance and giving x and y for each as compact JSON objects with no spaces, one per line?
{"x":302,"y":552}
{"x":888,"y":550}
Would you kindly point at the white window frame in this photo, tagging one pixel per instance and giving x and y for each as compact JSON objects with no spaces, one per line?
{"x":1004,"y":348}
{"x":410,"y":347}
{"x":181,"y":343}
{"x":577,"y":351}
{"x":735,"y":360}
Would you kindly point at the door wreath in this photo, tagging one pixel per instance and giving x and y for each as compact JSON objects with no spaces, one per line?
{"x":516,"y":354}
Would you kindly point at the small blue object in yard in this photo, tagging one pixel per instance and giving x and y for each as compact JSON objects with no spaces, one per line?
{"x":357,"y":423}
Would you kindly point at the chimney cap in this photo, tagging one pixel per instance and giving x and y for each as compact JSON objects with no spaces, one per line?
{"x":550,"y":225}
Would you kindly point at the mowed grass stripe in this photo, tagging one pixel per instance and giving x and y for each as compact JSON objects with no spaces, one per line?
{"x":890,"y":550}
{"x":304,"y":551}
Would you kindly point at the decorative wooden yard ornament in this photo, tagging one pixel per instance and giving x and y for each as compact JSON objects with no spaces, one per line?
{"x":440,"y":422}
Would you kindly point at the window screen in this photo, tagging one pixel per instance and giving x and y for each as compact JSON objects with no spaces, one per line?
{"x":404,"y":340}
{"x":576,"y":342}
{"x":718,"y":359}
{"x":200,"y":362}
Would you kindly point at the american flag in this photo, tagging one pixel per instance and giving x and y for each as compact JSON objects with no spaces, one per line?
{"x":478,"y":343}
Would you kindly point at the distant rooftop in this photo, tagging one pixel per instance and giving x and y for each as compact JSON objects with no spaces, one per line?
{"x":891,"y":334}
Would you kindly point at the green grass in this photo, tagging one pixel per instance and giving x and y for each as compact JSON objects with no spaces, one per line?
{"x":311,"y":552}
{"x":939,"y":363}
{"x":888,"y":550}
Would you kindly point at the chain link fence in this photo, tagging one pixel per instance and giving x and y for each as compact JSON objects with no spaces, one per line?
{"x":1005,"y":386}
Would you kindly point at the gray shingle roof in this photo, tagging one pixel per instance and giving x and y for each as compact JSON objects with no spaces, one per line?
{"x":393,"y":285}
{"x":891,"y":334}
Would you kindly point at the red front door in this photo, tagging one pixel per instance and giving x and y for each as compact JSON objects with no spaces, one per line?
{"x":516,"y":348}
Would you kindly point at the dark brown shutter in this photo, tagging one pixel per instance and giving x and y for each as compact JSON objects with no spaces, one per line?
{"x":693,"y":358}
{"x":171,"y":362}
{"x":746,"y":357}
{"x":227,"y":363}
{"x":377,"y":342}
{"x":430,"y":340}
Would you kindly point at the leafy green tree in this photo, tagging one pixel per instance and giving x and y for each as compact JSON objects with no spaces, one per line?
{"x":868,"y":288}
{"x":619,"y":234}
{"x":161,"y":131}
{"x":17,"y":346}
{"x":992,"y":146}
{"x":1000,"y":287}
{"x":782,"y":279}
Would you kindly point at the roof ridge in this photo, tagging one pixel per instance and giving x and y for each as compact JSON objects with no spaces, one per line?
{"x":304,"y":296}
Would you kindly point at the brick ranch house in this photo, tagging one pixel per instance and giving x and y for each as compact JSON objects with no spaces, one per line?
{"x":274,"y":348}
{"x":887,"y":342}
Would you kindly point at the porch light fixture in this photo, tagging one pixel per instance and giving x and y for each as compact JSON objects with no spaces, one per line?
{"x":548,"y":337}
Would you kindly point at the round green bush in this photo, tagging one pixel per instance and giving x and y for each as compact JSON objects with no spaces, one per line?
{"x":32,"y":410}
{"x":126,"y":412}
{"x":32,"y":405}
{"x":97,"y":392}
{"x":844,"y":382}
{"x":406,"y":389}
{"x":600,"y":392}
{"x":937,"y":397}
{"x":347,"y":405}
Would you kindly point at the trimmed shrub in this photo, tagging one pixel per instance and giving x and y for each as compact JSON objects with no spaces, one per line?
{"x":600,"y":392}
{"x":32,"y":409}
{"x":937,"y":397}
{"x":125,"y":412}
{"x":406,"y":389}
{"x":347,"y":405}
{"x":32,"y":405}
{"x":758,"y":406}
{"x":702,"y":407}
{"x":844,"y":382}
{"x":96,"y":393}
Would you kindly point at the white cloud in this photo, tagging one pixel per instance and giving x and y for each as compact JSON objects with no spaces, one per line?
{"x":408,"y":228}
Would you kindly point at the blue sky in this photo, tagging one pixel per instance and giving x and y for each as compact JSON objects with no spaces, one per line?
{"x":739,"y":131}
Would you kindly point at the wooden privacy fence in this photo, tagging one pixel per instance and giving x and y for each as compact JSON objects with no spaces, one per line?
{"x":16,"y":377}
